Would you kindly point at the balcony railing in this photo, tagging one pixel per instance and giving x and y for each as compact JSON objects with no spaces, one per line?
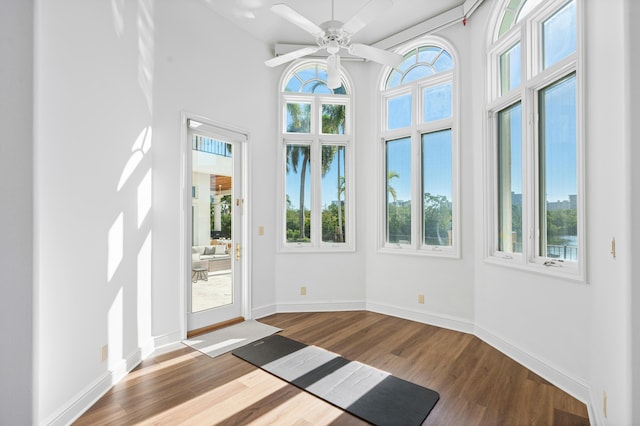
{"x":211,"y":146}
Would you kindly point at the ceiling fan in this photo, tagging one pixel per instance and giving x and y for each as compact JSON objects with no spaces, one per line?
{"x":334,"y":35}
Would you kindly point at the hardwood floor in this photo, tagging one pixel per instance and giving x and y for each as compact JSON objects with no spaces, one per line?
{"x":478,"y":385}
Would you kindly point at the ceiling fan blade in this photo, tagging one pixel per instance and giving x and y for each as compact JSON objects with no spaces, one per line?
{"x":377,"y":55}
{"x":368,"y":13}
{"x":294,"y":17}
{"x":279,"y":60}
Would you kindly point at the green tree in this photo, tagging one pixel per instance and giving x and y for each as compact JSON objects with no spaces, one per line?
{"x":437,"y":219}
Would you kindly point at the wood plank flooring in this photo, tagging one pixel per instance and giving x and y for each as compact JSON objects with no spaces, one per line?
{"x":478,"y":385}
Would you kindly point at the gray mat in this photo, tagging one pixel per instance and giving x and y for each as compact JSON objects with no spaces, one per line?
{"x":366,"y":392}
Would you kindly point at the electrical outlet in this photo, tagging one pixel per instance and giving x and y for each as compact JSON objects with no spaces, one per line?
{"x":604,"y":403}
{"x":421,"y":299}
{"x":303,"y":291}
{"x":105,"y":353}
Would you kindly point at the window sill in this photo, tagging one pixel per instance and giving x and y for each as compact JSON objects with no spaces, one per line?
{"x":308,"y":249}
{"x":556,"y":270}
{"x":447,"y":253}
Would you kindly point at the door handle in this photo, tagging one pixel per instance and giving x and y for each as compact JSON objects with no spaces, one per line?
{"x":237,"y":251}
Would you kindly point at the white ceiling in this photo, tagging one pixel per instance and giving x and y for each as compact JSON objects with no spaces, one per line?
{"x":255,"y":17}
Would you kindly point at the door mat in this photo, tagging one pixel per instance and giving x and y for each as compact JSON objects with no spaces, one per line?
{"x":223,"y":340}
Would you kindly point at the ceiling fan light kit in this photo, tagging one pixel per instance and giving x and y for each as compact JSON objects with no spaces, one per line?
{"x":333,"y":36}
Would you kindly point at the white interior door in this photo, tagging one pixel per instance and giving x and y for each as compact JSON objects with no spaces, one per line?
{"x":214,"y":288}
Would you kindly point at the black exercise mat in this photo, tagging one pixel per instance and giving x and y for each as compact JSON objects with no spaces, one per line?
{"x":364,"y":391}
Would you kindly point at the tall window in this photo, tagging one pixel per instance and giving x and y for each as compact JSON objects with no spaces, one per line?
{"x":536,"y":170}
{"x":316,"y":134}
{"x":419,"y":138}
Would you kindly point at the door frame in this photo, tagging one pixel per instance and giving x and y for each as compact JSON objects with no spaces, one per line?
{"x":185,"y":214}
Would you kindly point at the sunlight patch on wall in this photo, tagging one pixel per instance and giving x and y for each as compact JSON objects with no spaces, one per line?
{"x":117,"y":10}
{"x":144,"y":198}
{"x":145,"y":50}
{"x":144,"y":292}
{"x":140,"y":147}
{"x":115,"y":246}
{"x":115,"y":332}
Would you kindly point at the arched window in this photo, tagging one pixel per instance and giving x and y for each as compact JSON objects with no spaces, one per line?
{"x":317,"y":165}
{"x":420,"y":152}
{"x":536,"y":167}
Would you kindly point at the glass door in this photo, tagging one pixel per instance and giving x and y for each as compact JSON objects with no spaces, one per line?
{"x":214,"y":291}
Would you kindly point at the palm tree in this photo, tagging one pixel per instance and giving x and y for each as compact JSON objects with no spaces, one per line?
{"x":333,"y":119}
{"x":294,"y":155}
{"x":392,"y":191}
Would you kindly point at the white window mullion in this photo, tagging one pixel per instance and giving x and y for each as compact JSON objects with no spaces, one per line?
{"x":417,"y":191}
{"x":316,"y":193}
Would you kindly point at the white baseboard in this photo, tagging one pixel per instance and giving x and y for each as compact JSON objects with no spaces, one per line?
{"x":438,"y":320}
{"x":328,"y":306}
{"x":84,"y":399}
{"x":595,"y":416}
{"x":574,"y":386}
{"x":263,"y":311}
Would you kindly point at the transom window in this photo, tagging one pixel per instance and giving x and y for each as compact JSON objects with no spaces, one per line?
{"x":536,"y":170}
{"x":317,"y":165}
{"x":420,"y":153}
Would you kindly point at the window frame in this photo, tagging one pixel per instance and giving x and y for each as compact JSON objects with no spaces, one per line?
{"x":534,"y":79}
{"x":415,"y":132}
{"x":316,"y":140}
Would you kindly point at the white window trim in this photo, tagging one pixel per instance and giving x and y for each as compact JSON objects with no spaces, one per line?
{"x":415,"y":132}
{"x":533,"y":79}
{"x":316,"y":139}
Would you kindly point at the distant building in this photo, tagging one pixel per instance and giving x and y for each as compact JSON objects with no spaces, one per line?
{"x":570,"y":204}
{"x":516,"y":199}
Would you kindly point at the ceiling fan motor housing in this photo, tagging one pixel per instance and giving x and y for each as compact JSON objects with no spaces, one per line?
{"x":334,"y":37}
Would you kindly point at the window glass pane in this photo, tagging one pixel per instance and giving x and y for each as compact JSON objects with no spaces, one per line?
{"x":437,"y":184}
{"x":444,"y":62}
{"x":408,"y":61}
{"x":394,"y":79}
{"x":398,"y":191}
{"x":293,"y":85}
{"x":298,"y":193}
{"x":298,"y":118}
{"x":399,"y":112}
{"x":417,"y":73}
{"x":559,"y":35}
{"x":333,"y":119}
{"x":428,"y":54}
{"x":510,"y":179}
{"x":558,"y":176}
{"x":333,"y":194}
{"x":527,"y":7}
{"x":436,"y":102}
{"x":507,"y":22}
{"x":316,"y":86}
{"x":510,"y":69}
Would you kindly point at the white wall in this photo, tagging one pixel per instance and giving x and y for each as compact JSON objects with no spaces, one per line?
{"x":541,"y":321}
{"x":16,"y":215}
{"x":394,"y":282}
{"x":608,"y":206}
{"x":632,"y":14}
{"x":111,"y":88}
{"x":206,"y":66}
{"x":334,"y":281}
{"x":94,"y":177}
